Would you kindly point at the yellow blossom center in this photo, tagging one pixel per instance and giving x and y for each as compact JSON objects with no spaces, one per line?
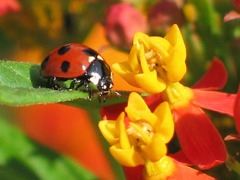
{"x":139,"y":133}
{"x":152,"y":55}
{"x":177,"y":95}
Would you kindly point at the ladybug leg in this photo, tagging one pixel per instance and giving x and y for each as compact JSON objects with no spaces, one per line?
{"x":115,"y":92}
{"x":86,"y":84}
{"x":102,"y":97}
{"x":74,"y":82}
{"x":52,"y":83}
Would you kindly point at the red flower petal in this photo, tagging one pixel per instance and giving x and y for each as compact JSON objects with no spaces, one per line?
{"x":181,"y":158}
{"x":237,"y":111}
{"x":135,"y":173}
{"x":215,"y":78}
{"x":112,"y":112}
{"x":231,"y":16}
{"x":153,"y":101}
{"x":199,"y":139}
{"x":187,"y":173}
{"x":215,"y":101}
{"x":232,"y":137}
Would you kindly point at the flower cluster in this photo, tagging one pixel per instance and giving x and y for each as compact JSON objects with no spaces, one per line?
{"x":144,"y":127}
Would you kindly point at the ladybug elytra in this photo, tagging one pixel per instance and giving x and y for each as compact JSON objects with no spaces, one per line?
{"x":79,"y":63}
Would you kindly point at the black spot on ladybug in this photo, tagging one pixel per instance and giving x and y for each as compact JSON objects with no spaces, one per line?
{"x":63,"y":50}
{"x":90,"y":52}
{"x":65,"y":66}
{"x":45,"y":61}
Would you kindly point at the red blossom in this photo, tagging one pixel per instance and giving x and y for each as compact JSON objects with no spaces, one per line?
{"x":7,"y":6}
{"x":122,"y":21}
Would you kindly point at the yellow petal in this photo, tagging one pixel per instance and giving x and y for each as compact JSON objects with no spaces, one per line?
{"x":108,"y":130}
{"x":156,"y":149}
{"x":175,"y":71}
{"x":137,"y":109}
{"x":124,"y":70}
{"x":174,"y":36}
{"x":140,"y":37}
{"x":176,"y":66}
{"x":165,"y":124}
{"x":135,"y":101}
{"x":143,"y":60}
{"x":160,"y":44}
{"x":133,"y":60}
{"x":150,"y":83}
{"x":120,"y":127}
{"x":126,"y":157}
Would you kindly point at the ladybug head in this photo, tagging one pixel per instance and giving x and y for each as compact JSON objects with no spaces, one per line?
{"x":105,"y":84}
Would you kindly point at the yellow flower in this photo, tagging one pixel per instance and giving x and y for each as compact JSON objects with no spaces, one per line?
{"x":154,"y":61}
{"x":141,"y":137}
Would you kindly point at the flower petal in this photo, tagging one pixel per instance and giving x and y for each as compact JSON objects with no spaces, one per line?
{"x":156,"y":149}
{"x":215,"y":101}
{"x":215,"y":78}
{"x":237,"y":112}
{"x":176,"y":62}
{"x":164,"y":115}
{"x":108,"y":130}
{"x":199,"y":139}
{"x":112,"y":111}
{"x":153,"y":101}
{"x":137,"y":109}
{"x":150,"y":83}
{"x":124,"y":70}
{"x":187,"y":173}
{"x":232,"y":137}
{"x":231,"y":16}
{"x":181,"y":158}
{"x":126,"y":157}
{"x":121,"y":132}
{"x":133,"y":60}
{"x":135,"y":173}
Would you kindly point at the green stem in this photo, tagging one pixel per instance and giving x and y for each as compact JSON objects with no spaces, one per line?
{"x":233,"y":164}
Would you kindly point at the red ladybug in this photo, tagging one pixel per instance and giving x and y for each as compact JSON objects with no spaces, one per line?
{"x":81,"y":64}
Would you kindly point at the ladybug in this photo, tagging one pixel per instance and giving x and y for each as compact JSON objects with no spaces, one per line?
{"x":80,"y":64}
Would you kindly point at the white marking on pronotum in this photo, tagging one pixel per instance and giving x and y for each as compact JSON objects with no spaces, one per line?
{"x":100,"y":57}
{"x":84,"y":67}
{"x":91,"y":59}
{"x":95,"y":78}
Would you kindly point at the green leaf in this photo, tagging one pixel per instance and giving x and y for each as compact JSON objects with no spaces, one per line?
{"x":21,"y":84}
{"x":22,"y":159}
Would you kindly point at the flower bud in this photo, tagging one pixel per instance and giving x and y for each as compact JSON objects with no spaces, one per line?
{"x":122,"y":21}
{"x":163,"y":15}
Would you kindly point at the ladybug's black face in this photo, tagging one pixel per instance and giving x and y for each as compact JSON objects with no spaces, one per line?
{"x":99,"y":73}
{"x":105,"y":84}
